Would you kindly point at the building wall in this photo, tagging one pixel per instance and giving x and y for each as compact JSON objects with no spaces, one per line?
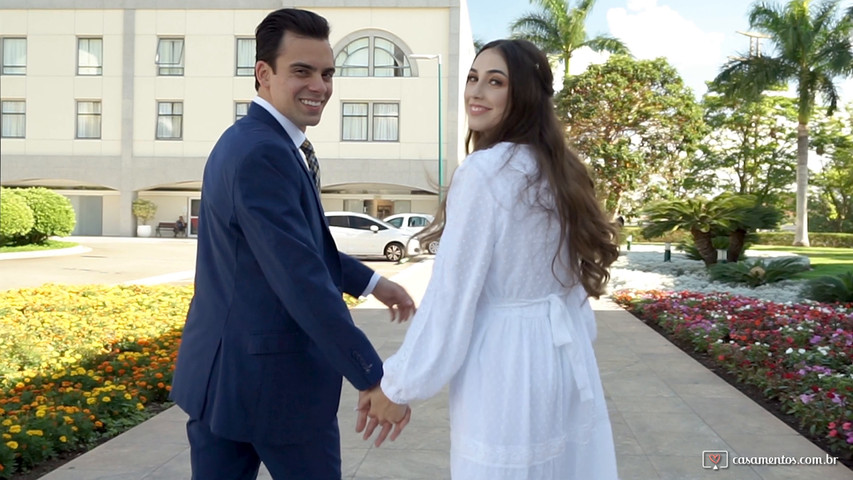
{"x":127,"y":161}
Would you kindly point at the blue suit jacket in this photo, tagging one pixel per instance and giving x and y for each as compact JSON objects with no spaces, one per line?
{"x":268,"y":335}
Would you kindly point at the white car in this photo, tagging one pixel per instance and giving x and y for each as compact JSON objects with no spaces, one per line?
{"x":359,"y":234}
{"x":413,"y":223}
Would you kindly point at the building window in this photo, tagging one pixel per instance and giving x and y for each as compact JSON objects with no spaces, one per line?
{"x":14,"y":56}
{"x":375,"y":121}
{"x":13,"y":119}
{"x":386,"y":119}
{"x":170,"y":117}
{"x":241,"y":109}
{"x":88,"y":119}
{"x":170,"y":56}
{"x":372,"y":56}
{"x":245,"y":57}
{"x":355,"y":122}
{"x":90,"y":56}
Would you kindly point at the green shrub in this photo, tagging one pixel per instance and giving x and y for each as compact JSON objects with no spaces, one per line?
{"x":637,"y":233}
{"x":16,"y":218}
{"x":757,"y":272}
{"x":52,"y":214}
{"x":785,"y":239}
{"x":143,"y":210}
{"x":831,"y":288}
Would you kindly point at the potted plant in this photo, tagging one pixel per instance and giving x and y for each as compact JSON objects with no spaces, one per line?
{"x":144,"y":211}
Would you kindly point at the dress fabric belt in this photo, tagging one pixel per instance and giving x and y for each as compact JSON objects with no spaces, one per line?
{"x":567,"y":332}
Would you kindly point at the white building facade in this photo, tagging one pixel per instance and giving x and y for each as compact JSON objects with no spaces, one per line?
{"x":106,"y":105}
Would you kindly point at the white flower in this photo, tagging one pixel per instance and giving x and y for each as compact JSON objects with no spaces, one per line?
{"x":789,"y":351}
{"x":646,"y":269}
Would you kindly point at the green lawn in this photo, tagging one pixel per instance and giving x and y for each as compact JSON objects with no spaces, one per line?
{"x":824,"y":260}
{"x":50,"y":245}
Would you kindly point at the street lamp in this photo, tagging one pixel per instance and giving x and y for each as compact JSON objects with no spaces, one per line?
{"x":435,"y":56}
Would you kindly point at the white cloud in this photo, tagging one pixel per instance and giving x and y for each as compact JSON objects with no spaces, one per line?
{"x":651,"y":30}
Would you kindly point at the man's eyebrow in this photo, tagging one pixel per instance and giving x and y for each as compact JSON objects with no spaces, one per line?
{"x":307,"y":66}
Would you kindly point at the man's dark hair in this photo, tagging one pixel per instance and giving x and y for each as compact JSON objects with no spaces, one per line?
{"x":270,"y":32}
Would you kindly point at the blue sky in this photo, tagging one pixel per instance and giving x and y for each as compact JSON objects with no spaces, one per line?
{"x":696,"y":36}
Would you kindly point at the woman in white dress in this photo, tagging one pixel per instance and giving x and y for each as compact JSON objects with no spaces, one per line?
{"x":505,"y":318}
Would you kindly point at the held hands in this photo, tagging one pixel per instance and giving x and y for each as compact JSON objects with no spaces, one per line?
{"x":397,"y":299}
{"x":373,"y":404}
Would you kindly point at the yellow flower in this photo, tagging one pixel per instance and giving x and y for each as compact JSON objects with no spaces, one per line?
{"x":91,"y":400}
{"x":63,"y":439}
{"x":105,"y":399}
{"x":7,"y":422}
{"x":35,"y":433}
{"x":6,"y":436}
{"x":15,"y":429}
{"x":40,"y":413}
{"x":12,"y":444}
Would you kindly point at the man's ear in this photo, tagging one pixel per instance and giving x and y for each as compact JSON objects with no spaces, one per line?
{"x":263,"y":72}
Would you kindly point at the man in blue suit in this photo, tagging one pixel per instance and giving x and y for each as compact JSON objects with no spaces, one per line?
{"x":268,"y":336}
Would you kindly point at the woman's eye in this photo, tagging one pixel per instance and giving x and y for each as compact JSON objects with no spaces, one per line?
{"x":472,"y":78}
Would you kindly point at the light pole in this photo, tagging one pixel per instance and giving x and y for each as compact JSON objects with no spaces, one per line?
{"x":436,"y":56}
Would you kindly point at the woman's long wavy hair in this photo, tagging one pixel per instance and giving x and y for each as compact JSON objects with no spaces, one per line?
{"x":585,"y":231}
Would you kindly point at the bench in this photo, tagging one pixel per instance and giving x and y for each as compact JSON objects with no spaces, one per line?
{"x":170,"y":227}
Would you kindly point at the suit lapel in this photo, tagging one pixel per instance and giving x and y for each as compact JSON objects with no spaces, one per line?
{"x":259,"y":113}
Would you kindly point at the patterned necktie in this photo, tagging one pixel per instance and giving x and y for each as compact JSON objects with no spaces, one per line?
{"x":313,"y":164}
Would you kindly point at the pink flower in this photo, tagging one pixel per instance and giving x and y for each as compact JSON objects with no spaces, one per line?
{"x":846,"y":425}
{"x":833,"y":433}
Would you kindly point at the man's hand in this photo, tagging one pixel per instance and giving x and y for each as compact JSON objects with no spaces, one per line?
{"x":397,"y":299}
{"x":375,"y":409}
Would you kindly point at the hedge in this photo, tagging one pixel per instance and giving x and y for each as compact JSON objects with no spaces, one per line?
{"x":16,"y":218}
{"x":52,"y":214}
{"x":785,"y":239}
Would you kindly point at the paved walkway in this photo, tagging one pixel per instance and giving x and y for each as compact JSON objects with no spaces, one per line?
{"x":666,"y":409}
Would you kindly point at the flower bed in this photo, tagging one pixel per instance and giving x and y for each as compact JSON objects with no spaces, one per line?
{"x":796,"y":353}
{"x":80,"y":363}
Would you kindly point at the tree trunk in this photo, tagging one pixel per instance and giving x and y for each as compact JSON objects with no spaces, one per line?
{"x":801,"y":234}
{"x":737,"y":239}
{"x":706,"y":249}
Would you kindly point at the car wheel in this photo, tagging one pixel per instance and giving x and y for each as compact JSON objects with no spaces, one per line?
{"x":394,"y":251}
{"x":433,"y":247}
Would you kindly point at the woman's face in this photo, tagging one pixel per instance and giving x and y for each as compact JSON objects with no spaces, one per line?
{"x":487,"y":91}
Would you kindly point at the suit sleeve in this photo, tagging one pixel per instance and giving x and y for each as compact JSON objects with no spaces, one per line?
{"x":268,"y":207}
{"x":356,"y":275}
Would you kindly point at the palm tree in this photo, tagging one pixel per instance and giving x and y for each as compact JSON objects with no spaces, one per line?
{"x":812,"y":48}
{"x":559,"y":30}
{"x":704,"y":219}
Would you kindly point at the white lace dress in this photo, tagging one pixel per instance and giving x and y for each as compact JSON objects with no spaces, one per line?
{"x":516,"y":346}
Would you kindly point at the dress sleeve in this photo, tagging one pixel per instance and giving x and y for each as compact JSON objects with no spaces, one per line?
{"x":436,"y":343}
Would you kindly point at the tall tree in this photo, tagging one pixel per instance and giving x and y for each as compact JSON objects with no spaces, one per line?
{"x":831,"y":199}
{"x":750,"y":146}
{"x":636,"y":124}
{"x":559,"y":30}
{"x":812,"y":48}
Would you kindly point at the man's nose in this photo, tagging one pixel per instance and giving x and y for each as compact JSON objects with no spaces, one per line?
{"x":318,"y":84}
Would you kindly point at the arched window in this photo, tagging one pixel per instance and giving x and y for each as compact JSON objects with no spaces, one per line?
{"x":372,"y":56}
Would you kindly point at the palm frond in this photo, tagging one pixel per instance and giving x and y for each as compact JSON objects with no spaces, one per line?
{"x":607,"y":43}
{"x":540,"y":29}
